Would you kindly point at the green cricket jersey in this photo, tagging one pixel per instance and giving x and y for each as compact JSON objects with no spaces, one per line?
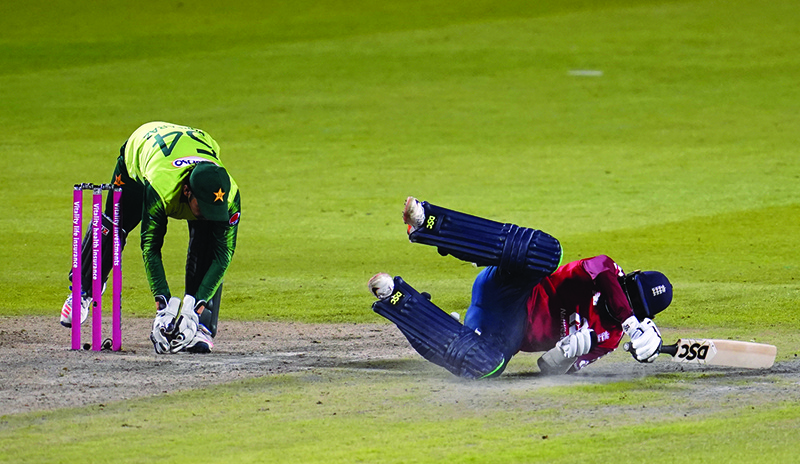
{"x":159,"y":156}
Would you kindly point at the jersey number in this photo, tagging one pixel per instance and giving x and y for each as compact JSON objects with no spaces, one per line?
{"x":167,"y":149}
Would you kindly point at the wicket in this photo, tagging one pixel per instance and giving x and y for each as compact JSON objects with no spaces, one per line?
{"x":97,"y":260}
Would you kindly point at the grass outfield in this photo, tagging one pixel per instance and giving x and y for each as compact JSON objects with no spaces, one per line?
{"x":661,"y":133}
{"x":341,"y":417}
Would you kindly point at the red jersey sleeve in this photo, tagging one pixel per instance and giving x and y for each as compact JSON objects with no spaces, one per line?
{"x":609,"y":307}
{"x":605,"y":274}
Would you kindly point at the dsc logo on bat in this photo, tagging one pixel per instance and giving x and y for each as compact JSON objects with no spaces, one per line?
{"x":693,"y":351}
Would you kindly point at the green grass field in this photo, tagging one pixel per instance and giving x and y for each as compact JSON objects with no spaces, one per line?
{"x":677,"y":152}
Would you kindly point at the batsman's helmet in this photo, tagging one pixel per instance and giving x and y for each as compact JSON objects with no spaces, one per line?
{"x":648,"y":292}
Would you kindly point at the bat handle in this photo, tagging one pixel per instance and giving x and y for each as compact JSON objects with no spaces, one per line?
{"x":665,"y":349}
{"x":671,"y":350}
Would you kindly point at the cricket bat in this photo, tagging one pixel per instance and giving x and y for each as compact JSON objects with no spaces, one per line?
{"x":729,"y":353}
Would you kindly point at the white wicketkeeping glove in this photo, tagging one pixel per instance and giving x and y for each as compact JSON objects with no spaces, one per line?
{"x":645,"y":339}
{"x":578,"y":343}
{"x":164,"y":326}
{"x":186,"y":326}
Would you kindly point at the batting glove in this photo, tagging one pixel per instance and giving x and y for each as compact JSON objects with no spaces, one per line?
{"x":645,"y":339}
{"x":578,"y":343}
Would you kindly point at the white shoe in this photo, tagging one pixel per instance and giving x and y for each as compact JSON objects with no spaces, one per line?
{"x":413,"y":214}
{"x":66,"y":310}
{"x":381,"y":285}
{"x":202,"y":341}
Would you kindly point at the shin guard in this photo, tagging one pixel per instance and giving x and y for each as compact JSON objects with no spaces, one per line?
{"x":485,"y":242}
{"x":437,"y":336}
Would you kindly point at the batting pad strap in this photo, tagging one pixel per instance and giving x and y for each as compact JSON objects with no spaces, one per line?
{"x":438,"y":337}
{"x":485,"y":242}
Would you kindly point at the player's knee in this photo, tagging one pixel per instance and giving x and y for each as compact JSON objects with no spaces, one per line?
{"x":530,"y":250}
{"x":474,"y":357}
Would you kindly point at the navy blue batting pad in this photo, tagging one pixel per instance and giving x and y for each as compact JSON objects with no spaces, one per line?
{"x":438,"y":337}
{"x":485,"y":242}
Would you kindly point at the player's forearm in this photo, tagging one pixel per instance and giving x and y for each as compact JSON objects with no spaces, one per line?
{"x":213,"y":278}
{"x":152,"y":240}
{"x":223,"y":250}
{"x":210,"y":283}
{"x":156,"y":277}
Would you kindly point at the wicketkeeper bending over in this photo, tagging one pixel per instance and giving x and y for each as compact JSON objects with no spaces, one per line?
{"x":171,"y":171}
{"x":522,"y":300}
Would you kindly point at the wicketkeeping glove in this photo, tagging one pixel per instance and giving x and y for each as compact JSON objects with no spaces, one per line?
{"x":645,"y":339}
{"x":164,"y":326}
{"x":186,"y":325}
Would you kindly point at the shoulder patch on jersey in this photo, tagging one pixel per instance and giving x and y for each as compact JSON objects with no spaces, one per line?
{"x":234,"y":219}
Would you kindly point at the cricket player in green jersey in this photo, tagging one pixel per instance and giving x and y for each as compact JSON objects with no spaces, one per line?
{"x":172,"y":171}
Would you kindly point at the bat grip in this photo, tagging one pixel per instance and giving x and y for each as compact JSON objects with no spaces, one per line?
{"x":669,"y":349}
{"x":665,"y":349}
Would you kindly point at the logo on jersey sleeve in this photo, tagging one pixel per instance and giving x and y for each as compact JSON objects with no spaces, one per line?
{"x":234,"y":219}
